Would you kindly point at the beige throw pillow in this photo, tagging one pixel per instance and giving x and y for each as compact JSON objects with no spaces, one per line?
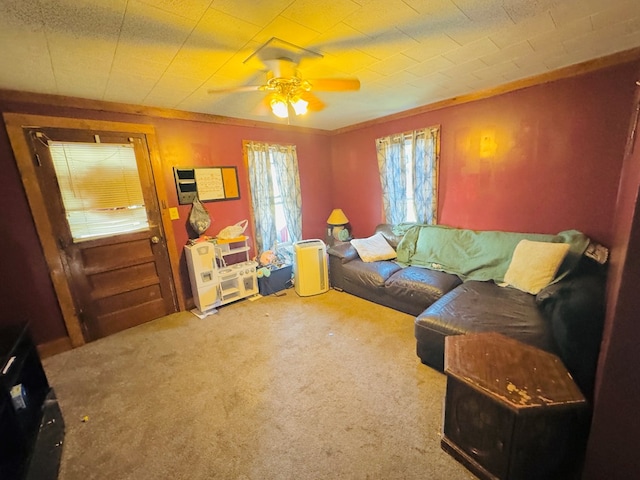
{"x":534,"y":265}
{"x":373,"y":248}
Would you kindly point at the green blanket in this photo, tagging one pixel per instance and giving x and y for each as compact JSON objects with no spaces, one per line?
{"x":477,"y":255}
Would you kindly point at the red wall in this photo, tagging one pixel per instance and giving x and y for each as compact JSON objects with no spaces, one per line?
{"x":555,"y":164}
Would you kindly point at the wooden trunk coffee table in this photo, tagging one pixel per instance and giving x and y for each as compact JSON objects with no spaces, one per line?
{"x":512,"y":411}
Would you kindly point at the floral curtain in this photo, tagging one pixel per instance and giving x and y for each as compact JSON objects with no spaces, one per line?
{"x":417,"y":151}
{"x":391,"y":164}
{"x":425,"y":173}
{"x":269,"y":163}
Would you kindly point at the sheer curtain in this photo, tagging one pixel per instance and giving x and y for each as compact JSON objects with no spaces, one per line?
{"x":425,"y":173}
{"x":409,"y":158}
{"x":272,"y":165}
{"x":393,"y":178}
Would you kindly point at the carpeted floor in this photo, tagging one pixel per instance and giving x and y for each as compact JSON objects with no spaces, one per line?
{"x":322,"y":387}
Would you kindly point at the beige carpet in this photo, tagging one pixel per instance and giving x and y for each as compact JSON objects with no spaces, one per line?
{"x":322,"y":387}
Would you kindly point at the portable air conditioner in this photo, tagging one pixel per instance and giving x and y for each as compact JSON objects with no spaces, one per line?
{"x":310,"y":272}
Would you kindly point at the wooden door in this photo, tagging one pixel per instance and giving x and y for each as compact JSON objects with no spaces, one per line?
{"x":117,"y":280}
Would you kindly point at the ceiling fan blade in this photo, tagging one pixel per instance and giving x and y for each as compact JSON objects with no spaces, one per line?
{"x":334,"y":84}
{"x":315,"y":104}
{"x":245,"y":88}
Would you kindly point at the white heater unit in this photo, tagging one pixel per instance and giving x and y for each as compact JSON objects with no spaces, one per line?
{"x":310,"y":271}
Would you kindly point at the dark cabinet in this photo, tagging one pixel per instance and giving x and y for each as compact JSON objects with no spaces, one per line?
{"x":511,"y":411}
{"x":31,"y":424}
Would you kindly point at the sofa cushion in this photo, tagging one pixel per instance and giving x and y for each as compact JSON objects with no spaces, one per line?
{"x":373,"y":248}
{"x":343,"y":251}
{"x":481,"y":307}
{"x":420,"y":285}
{"x":534,"y":265}
{"x":369,"y":274}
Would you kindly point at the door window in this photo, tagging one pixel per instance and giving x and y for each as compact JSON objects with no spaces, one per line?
{"x":100,"y":188}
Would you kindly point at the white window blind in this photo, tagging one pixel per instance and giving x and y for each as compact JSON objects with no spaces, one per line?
{"x":100,"y":188}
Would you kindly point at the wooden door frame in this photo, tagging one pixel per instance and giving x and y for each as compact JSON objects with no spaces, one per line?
{"x":15,"y":123}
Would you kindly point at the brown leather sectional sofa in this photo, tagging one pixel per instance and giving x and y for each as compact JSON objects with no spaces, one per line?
{"x":565,"y":318}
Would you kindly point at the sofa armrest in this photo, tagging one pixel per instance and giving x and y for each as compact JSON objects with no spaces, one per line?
{"x":344,"y":251}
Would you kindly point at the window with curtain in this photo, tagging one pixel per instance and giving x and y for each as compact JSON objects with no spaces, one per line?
{"x":275,"y":193}
{"x":408,"y":165}
{"x":100,"y":188}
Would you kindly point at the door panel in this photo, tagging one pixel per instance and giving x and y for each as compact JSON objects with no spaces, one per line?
{"x":117,"y":281}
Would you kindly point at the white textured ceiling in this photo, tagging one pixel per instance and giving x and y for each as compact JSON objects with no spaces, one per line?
{"x":406,"y":53}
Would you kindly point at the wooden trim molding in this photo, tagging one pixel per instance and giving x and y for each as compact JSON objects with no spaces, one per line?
{"x":54,"y":347}
{"x":14,"y":124}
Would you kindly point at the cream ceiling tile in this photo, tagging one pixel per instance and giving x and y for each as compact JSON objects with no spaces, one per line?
{"x":471,"y":50}
{"x":522,"y":10}
{"x":392,"y":65}
{"x":321,"y":69}
{"x":258,"y":12}
{"x":469,"y":31}
{"x":368,"y":78}
{"x":433,"y":80}
{"x":171,"y":90}
{"x":339,"y":38}
{"x":539,"y":60}
{"x":320,"y":17}
{"x":128,"y":87}
{"x":541,"y":24}
{"x":219,"y":31}
{"x":512,"y":52}
{"x":134,"y":61}
{"x":380,"y":15}
{"x":24,"y":61}
{"x":197,"y":64}
{"x":487,"y":12}
{"x":286,"y":30}
{"x":618,"y":13}
{"x":427,"y":67}
{"x":464,"y":68}
{"x":571,"y":30}
{"x":84,"y":83}
{"x":387,"y":44}
{"x":601,"y":42}
{"x":89,"y":22}
{"x":67,"y":53}
{"x":349,"y":61}
{"x":159,"y":33}
{"x":192,"y":9}
{"x":497,"y":70}
{"x":431,"y":47}
{"x":397,"y":79}
{"x":571,"y":10}
{"x":242,"y":68}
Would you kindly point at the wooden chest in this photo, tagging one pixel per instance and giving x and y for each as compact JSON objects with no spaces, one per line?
{"x":512,"y":411}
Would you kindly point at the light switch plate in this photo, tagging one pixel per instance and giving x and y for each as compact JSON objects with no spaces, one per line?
{"x":173,"y":213}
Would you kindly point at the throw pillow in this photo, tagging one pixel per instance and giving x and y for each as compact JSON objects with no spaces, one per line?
{"x":534,"y":264}
{"x":373,"y":248}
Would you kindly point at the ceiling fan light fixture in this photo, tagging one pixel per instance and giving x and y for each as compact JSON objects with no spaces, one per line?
{"x":299,"y":105}
{"x":279,"y":107}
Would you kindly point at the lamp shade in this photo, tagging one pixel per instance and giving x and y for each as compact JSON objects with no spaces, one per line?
{"x":337,"y":217}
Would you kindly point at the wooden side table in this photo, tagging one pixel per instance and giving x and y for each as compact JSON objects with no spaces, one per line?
{"x":512,"y":411}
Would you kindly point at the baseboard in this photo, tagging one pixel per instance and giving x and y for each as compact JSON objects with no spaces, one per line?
{"x":54,"y":347}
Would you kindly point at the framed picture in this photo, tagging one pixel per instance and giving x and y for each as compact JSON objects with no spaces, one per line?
{"x":208,"y":183}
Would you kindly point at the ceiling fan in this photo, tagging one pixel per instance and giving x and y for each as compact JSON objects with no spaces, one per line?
{"x":286,"y":90}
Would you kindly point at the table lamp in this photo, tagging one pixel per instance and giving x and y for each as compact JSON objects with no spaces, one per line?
{"x":338,"y":226}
